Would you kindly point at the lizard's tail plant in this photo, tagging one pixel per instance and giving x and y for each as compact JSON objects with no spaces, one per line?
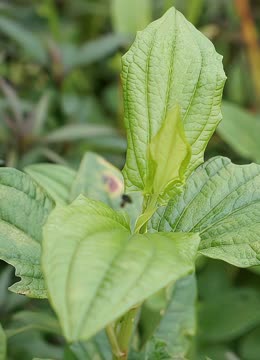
{"x":98,"y":259}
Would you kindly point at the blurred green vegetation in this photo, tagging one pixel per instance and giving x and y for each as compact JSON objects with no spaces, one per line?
{"x":60,"y":95}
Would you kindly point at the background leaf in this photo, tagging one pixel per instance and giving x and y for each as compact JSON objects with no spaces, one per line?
{"x":130,"y":16}
{"x":240,"y":312}
{"x":78,"y":132}
{"x":25,"y":38}
{"x":2,"y":344}
{"x":240,"y":129}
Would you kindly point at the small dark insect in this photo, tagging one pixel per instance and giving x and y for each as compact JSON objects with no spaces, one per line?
{"x":125,"y":200}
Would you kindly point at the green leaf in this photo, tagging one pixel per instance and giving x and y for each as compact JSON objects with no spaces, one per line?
{"x":130,"y":16}
{"x":97,"y":348}
{"x":78,"y":132}
{"x":32,"y":320}
{"x":221,"y":201}
{"x":167,"y":166}
{"x":92,"y":51}
{"x":178,"y":324}
{"x":240,"y":129}
{"x":249,"y":347}
{"x":96,"y":270}
{"x":25,"y":38}
{"x":24,"y":208}
{"x":56,"y":180}
{"x":240,"y":312}
{"x":97,"y":179}
{"x":170,"y":63}
{"x":40,"y":114}
{"x":27,"y":346}
{"x":2,"y":344}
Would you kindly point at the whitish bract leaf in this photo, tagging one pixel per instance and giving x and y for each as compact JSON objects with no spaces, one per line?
{"x":24,"y":208}
{"x":96,"y":270}
{"x":221,"y":201}
{"x":170,"y":63}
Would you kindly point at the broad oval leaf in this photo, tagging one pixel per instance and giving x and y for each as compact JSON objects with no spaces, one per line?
{"x":170,"y":63}
{"x":55,"y":179}
{"x":24,"y":208}
{"x":221,"y":201}
{"x":96,"y":270}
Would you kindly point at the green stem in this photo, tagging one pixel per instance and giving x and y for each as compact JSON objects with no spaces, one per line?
{"x":117,"y":354}
{"x":125,"y":328}
{"x":126,"y":331}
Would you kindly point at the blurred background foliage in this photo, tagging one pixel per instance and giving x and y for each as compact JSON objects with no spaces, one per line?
{"x":60,"y":95}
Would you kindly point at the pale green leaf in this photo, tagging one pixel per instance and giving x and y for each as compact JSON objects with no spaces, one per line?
{"x":24,"y":208}
{"x":40,"y":114}
{"x":167,"y":164}
{"x":32,"y":320}
{"x":96,"y":270}
{"x":2,"y":344}
{"x":97,"y":179}
{"x":56,"y":180}
{"x":178,"y":325}
{"x":170,"y":63}
{"x":78,"y":132}
{"x":221,"y":201}
{"x":92,"y":51}
{"x":240,"y":129}
{"x":130,"y":16}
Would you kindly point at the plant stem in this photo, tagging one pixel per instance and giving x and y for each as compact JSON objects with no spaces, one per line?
{"x":117,"y":354}
{"x":125,"y":332}
{"x":125,"y":329}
